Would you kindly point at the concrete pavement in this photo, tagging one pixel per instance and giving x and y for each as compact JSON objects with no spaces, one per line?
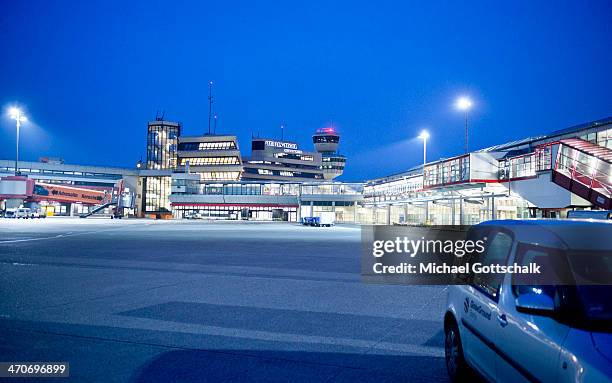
{"x":159,"y":301}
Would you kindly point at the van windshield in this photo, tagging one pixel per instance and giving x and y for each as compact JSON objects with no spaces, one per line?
{"x":593,"y":274}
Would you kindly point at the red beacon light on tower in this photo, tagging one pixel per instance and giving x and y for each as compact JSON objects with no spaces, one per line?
{"x":327,"y":130}
{"x":326,"y":140}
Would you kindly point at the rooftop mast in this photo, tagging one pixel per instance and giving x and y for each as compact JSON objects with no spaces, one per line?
{"x":210,"y":102}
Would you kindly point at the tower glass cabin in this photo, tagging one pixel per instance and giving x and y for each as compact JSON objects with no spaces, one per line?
{"x":326,"y":141}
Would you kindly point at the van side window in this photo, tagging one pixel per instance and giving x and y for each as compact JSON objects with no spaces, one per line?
{"x":476,"y":233}
{"x":497,"y":253}
{"x":554,"y":270}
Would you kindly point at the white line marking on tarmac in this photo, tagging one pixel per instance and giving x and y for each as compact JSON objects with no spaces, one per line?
{"x":63,"y":235}
{"x":257,"y":335}
{"x":45,"y":238}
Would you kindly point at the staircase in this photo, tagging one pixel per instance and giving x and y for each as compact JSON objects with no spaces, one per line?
{"x":97,"y":209}
{"x":115,"y":198}
{"x":585,"y":169}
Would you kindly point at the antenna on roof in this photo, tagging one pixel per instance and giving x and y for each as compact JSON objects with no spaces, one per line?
{"x":210,"y":102}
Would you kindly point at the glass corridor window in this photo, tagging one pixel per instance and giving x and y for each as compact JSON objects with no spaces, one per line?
{"x":451,"y":171}
{"x":604,"y":138}
{"x":601,"y":138}
{"x":523,"y":166}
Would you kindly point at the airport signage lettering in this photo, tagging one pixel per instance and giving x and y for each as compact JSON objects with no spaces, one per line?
{"x":68,"y":194}
{"x":293,"y":151}
{"x":280,"y":144}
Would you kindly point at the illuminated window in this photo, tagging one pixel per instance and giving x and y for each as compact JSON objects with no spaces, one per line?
{"x":157,"y":194}
{"x":161,"y":145}
{"x":221,"y":176}
{"x":206,"y":161}
{"x":294,"y":156}
{"x":196,"y":146}
{"x":326,"y":139}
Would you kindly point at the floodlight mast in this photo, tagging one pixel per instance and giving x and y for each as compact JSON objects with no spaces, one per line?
{"x":17,"y":115}
{"x":464,"y":103}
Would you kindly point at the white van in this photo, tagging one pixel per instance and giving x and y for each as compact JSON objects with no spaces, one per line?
{"x":24,"y":212}
{"x":510,"y":330}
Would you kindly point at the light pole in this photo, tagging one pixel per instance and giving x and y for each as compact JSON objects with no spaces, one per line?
{"x":424,"y":135}
{"x":464,"y":103}
{"x":17,"y":115}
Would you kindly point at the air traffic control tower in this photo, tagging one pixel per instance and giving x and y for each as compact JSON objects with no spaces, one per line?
{"x":326,"y":141}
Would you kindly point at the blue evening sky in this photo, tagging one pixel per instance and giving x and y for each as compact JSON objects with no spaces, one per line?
{"x":92,"y":73}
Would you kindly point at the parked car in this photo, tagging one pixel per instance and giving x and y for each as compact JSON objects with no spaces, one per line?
{"x":193,"y":215}
{"x":513,"y":328}
{"x":10,"y":213}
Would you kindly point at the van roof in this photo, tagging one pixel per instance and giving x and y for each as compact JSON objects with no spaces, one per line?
{"x":576,"y":234}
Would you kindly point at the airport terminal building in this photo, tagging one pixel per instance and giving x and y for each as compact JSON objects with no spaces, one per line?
{"x":542,"y":176}
{"x":208,"y":177}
